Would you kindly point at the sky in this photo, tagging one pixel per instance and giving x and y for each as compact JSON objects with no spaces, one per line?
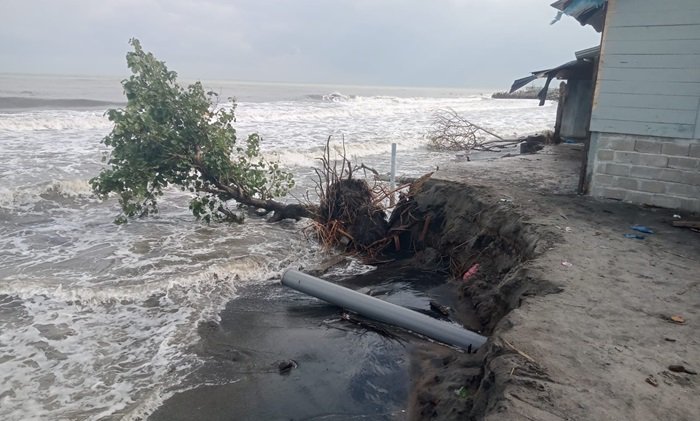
{"x":432,"y":43}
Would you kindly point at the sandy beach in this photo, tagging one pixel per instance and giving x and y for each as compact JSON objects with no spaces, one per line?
{"x":586,"y":351}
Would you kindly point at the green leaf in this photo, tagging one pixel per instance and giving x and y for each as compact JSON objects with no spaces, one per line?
{"x":173,"y":135}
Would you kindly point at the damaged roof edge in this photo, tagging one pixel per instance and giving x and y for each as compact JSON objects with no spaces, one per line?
{"x":588,"y":53}
{"x":576,"y":69}
{"x":587,"y":12}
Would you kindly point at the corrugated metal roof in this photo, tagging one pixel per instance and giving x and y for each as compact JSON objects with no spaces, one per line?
{"x":588,"y":53}
{"x":581,"y":68}
{"x":587,"y":12}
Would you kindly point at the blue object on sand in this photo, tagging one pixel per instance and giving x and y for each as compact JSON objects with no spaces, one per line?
{"x":642,"y":228}
{"x":636,"y":236}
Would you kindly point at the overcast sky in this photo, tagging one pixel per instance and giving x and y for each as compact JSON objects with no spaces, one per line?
{"x":451,"y":43}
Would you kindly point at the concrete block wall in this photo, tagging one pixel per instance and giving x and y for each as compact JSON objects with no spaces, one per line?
{"x":655,"y":171}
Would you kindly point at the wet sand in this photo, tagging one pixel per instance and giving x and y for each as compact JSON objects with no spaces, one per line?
{"x":344,"y":371}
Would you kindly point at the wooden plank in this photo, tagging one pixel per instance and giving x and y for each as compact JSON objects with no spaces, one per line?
{"x":636,"y":100}
{"x":663,"y":47}
{"x":658,"y":87}
{"x":683,"y":131}
{"x":631,"y":15}
{"x":653,"y":33}
{"x":577,"y":112}
{"x":647,"y":61}
{"x":653,"y":6}
{"x":687,"y":224}
{"x":647,"y":75}
{"x":696,"y":135}
{"x":646,"y":115}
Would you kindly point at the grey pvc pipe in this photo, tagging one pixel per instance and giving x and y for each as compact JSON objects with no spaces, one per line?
{"x":376,"y":309}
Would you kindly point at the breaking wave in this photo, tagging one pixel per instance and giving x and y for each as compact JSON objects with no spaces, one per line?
{"x":23,"y":103}
{"x":54,"y":120}
{"x":331,"y":97}
{"x":59,"y":190}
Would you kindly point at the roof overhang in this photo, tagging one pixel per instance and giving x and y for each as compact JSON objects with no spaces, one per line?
{"x":579,"y":69}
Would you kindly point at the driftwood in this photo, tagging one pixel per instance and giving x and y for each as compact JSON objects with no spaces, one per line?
{"x":453,"y":132}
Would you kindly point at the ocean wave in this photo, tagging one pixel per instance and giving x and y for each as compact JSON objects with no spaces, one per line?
{"x":331,"y":97}
{"x":24,"y":103}
{"x":54,"y":120}
{"x":114,"y":352}
{"x":23,"y":196}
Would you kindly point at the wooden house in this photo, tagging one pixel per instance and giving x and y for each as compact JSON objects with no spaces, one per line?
{"x":643,"y":140}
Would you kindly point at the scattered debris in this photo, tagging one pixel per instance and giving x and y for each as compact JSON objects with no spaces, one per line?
{"x":462,"y":392}
{"x":677,"y":368}
{"x":568,"y":229}
{"x":286,"y":366}
{"x":671,"y":378}
{"x":652,"y":380}
{"x":533,"y":144}
{"x":326,"y":265}
{"x":453,"y":132}
{"x":439,"y":308}
{"x":567,"y":264}
{"x":372,"y":327}
{"x":471,"y":272}
{"x":674,"y":319}
{"x":642,"y":228}
{"x":687,"y":224}
{"x":635,"y":236}
{"x":527,"y":357}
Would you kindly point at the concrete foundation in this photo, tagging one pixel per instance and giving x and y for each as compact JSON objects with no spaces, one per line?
{"x":655,"y":171}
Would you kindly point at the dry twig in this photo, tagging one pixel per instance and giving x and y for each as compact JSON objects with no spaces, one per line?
{"x":453,"y":132}
{"x":521,"y":353}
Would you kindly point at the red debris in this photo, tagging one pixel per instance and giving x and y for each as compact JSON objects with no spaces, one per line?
{"x":471,"y":272}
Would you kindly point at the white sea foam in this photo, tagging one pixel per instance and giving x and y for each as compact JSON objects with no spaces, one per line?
{"x":53,"y":120}
{"x":297,"y":131}
{"x":113,"y":350}
{"x":24,"y":196}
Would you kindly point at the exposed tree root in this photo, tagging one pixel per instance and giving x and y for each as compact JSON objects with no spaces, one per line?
{"x":352,"y":213}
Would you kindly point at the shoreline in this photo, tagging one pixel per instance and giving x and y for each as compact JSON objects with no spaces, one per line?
{"x":566,"y":341}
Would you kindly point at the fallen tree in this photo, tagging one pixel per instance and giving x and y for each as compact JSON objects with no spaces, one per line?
{"x":169,"y":135}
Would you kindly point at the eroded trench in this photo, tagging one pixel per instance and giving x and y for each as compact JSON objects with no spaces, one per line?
{"x":470,"y":225}
{"x":345,"y":370}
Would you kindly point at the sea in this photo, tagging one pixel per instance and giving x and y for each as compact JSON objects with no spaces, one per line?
{"x":98,"y":321}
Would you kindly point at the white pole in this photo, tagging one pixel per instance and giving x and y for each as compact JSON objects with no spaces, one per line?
{"x":392,"y":179}
{"x":382,"y":311}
